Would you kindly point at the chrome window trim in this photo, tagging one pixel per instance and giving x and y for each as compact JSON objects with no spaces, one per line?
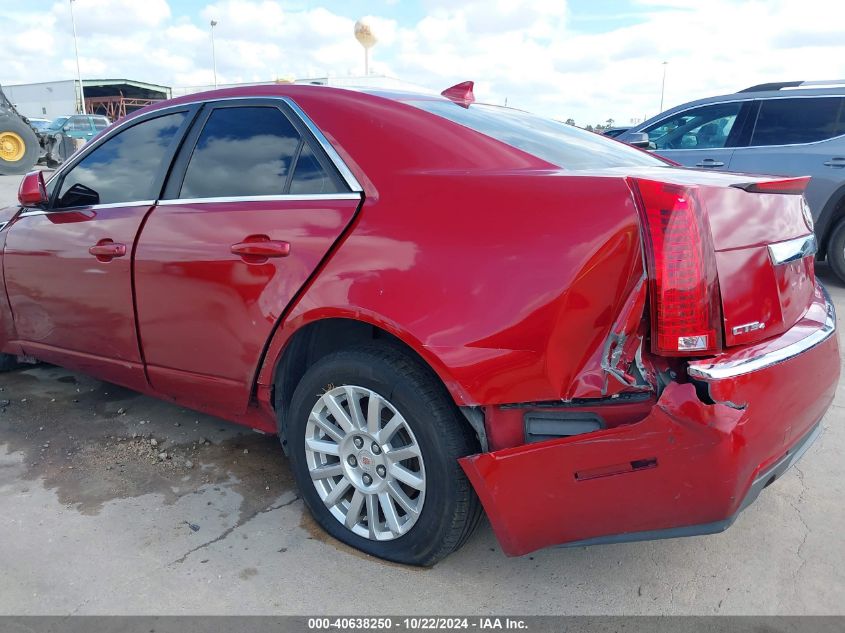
{"x":271,"y":198}
{"x":334,"y":157}
{"x":731,"y":369}
{"x":91,"y":207}
{"x":793,"y":250}
{"x":3,"y":225}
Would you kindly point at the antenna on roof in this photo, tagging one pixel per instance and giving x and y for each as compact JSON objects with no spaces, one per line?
{"x":461,"y":93}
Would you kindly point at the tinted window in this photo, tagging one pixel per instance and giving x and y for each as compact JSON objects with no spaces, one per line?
{"x":124,"y":168}
{"x":802,"y":120}
{"x":241,"y":152}
{"x":310,"y":177}
{"x":707,"y":127}
{"x":557,"y":143}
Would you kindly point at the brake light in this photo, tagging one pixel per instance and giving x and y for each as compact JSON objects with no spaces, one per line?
{"x":684,"y":293}
{"x":793,"y":186}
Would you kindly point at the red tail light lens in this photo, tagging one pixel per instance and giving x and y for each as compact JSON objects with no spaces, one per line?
{"x":685,"y":308}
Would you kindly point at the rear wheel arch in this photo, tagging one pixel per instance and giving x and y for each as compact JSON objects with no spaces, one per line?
{"x":317,"y":339}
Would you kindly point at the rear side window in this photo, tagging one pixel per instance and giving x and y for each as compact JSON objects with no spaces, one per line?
{"x":798,"y":120}
{"x":557,"y":143}
{"x":310,"y":177}
{"x":242,"y":151}
{"x":100,"y":123}
{"x":124,"y":168}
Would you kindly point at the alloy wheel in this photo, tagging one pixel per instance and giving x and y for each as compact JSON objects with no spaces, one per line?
{"x":365,"y":462}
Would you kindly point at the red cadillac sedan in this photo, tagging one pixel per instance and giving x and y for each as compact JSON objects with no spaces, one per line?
{"x":441,"y":307}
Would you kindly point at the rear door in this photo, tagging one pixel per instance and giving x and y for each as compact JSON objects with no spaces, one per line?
{"x":702,"y":137}
{"x":253,"y":206}
{"x":68,"y":268}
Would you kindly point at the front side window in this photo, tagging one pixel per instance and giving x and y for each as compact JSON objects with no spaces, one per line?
{"x":242,"y":151}
{"x":707,"y":127}
{"x":78,"y":124}
{"x":124,"y":168}
{"x":798,"y":120}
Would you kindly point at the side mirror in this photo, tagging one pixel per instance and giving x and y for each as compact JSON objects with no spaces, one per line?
{"x":33,"y":192}
{"x":637,"y":139}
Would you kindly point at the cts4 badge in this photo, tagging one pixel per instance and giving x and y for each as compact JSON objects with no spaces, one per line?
{"x":805,"y":211}
{"x":748,"y":327}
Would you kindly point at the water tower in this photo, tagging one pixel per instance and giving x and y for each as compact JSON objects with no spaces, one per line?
{"x":366,"y":37}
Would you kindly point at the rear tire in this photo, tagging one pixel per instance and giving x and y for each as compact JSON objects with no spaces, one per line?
{"x":406,"y":497}
{"x":836,"y":250}
{"x":19,"y":147}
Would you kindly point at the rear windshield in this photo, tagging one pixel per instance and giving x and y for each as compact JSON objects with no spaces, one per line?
{"x":560,"y":144}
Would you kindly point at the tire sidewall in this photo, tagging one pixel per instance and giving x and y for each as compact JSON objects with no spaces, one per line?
{"x":31,"y":149}
{"x":440,"y":498}
{"x":836,"y":250}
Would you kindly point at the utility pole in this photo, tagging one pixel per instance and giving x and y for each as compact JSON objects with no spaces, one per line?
{"x":76,"y":50}
{"x":663,"y":86}
{"x":213,"y":52}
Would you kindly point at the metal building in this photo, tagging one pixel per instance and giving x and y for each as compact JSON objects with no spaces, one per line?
{"x":112,"y":97}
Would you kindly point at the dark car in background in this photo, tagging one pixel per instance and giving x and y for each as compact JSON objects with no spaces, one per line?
{"x":794,"y":128}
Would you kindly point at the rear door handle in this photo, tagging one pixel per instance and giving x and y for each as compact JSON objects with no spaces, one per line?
{"x":106,"y":250}
{"x":256,"y":249}
{"x":710,"y":162}
{"x":836,"y":161}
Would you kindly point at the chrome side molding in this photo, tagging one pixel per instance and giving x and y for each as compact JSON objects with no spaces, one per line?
{"x":793,"y":250}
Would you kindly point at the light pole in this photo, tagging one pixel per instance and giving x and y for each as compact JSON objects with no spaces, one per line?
{"x":76,"y":50}
{"x":663,"y":86}
{"x":213,"y":53}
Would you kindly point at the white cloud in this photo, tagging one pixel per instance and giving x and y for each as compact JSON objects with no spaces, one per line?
{"x":531,"y":52}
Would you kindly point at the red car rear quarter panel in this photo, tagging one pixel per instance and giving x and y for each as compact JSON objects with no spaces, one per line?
{"x":504,"y":310}
{"x":503,"y":273}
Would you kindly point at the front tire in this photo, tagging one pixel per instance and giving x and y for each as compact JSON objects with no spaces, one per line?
{"x":374,"y":441}
{"x":19,"y":147}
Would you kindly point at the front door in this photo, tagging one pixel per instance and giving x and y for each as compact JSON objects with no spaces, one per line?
{"x":68,"y":268}
{"x":251,"y":209}
{"x":702,"y":137}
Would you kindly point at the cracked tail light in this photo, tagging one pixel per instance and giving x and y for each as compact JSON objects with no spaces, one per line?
{"x":684,"y":293}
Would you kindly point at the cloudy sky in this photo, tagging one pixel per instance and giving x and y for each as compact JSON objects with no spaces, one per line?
{"x":586,"y":59}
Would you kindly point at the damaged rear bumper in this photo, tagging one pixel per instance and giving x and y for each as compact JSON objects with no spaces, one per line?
{"x":689,"y":467}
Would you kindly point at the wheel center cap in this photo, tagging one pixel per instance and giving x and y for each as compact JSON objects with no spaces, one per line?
{"x":367,"y":461}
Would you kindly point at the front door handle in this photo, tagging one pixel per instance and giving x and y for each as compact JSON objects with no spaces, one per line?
{"x":710,"y":162}
{"x":256,"y":249}
{"x":106,"y":250}
{"x":836,"y":161}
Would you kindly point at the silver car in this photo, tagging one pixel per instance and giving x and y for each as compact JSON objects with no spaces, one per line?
{"x":794,"y":128}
